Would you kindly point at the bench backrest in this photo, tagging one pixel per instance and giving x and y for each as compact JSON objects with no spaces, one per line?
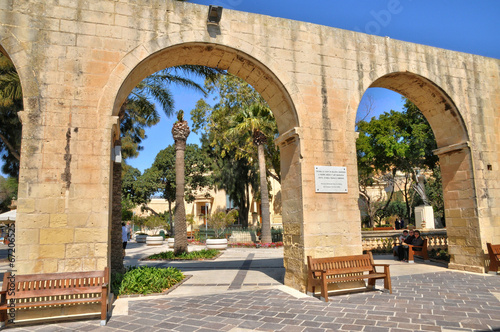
{"x":342,"y":264}
{"x":424,"y":244}
{"x":54,"y":284}
{"x":494,"y":251}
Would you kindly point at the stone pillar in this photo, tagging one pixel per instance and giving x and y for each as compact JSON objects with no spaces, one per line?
{"x":293,"y":239}
{"x":462,"y":220}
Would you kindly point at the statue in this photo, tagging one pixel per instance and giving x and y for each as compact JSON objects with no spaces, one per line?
{"x":419,"y":186}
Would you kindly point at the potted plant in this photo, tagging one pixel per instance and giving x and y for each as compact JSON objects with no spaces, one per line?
{"x":141,"y":236}
{"x":383,"y":227}
{"x":219,"y":221}
{"x":154,"y":222}
{"x":171,"y":242}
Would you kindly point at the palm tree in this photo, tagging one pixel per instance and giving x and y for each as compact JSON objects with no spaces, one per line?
{"x":257,"y":121}
{"x":11,"y":102}
{"x":180,"y":132}
{"x":138,"y":113}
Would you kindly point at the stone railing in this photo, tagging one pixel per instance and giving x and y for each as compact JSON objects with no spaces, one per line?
{"x":385,"y":240}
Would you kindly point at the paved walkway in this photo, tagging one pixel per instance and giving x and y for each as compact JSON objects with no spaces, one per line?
{"x":243,"y":290}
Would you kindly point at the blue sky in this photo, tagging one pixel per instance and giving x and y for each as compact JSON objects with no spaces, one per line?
{"x":459,"y":25}
{"x":464,"y":26}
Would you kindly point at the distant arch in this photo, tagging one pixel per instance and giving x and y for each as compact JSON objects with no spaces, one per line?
{"x":434,"y":103}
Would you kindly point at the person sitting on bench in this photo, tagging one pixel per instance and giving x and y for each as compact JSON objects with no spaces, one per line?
{"x":416,"y":241}
{"x":402,"y":239}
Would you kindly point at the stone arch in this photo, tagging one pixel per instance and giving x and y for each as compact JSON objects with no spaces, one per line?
{"x":436,"y":105}
{"x":257,"y":69}
{"x":456,"y":163}
{"x":10,"y":47}
{"x":236,"y":62}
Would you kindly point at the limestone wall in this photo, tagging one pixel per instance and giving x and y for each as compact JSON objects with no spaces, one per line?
{"x":79,"y":60}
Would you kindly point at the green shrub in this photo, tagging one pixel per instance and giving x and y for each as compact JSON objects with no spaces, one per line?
{"x":145,"y":280}
{"x":202,"y":254}
{"x":220,"y":220}
{"x":441,"y":254}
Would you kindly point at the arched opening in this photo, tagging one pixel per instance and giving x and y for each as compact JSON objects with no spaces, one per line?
{"x":11,"y":103}
{"x":455,"y":161}
{"x":242,"y":65}
{"x":217,"y":56}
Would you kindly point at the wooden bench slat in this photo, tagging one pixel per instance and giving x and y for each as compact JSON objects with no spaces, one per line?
{"x":54,"y":302}
{"x":58,"y":292}
{"x":358,"y":277}
{"x":60,"y":276}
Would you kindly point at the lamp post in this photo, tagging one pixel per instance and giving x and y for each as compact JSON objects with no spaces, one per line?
{"x":214,"y":15}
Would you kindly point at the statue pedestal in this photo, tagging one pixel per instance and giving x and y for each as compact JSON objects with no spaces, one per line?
{"x":424,"y":217}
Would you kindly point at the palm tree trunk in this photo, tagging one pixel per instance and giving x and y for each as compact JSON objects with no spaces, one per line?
{"x":266,"y":217}
{"x":180,"y":245}
{"x":116,"y":220}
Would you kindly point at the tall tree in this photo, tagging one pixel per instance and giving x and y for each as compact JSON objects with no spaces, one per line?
{"x":253,"y":123}
{"x":235,"y":96}
{"x":139,"y":112}
{"x":180,"y":132}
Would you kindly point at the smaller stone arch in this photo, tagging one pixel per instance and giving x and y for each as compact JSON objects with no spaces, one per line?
{"x":457,"y":166}
{"x":436,"y":105}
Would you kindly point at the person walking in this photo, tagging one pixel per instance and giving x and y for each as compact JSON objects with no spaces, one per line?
{"x":397,"y":224}
{"x":124,"y":237}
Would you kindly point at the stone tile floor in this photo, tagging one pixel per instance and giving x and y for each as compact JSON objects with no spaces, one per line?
{"x":440,"y":301}
{"x":242,"y":291}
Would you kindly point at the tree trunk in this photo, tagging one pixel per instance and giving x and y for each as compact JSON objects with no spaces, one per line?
{"x":264,"y":193}
{"x":243,"y":212}
{"x":116,"y":220}
{"x":180,"y":245}
{"x":170,"y":217}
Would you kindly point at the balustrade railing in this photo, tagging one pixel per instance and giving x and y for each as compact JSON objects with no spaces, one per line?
{"x":385,"y":240}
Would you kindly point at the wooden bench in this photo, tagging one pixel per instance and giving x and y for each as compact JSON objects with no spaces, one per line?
{"x":192,"y":234}
{"x":418,"y":251}
{"x":53,"y":289}
{"x":323,"y":271}
{"x":494,"y":253}
{"x":421,"y":251}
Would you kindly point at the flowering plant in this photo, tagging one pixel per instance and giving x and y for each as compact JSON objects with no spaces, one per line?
{"x":256,"y":245}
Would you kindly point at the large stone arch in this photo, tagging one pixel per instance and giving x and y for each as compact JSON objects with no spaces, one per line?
{"x":235,"y":61}
{"x":456,"y":162}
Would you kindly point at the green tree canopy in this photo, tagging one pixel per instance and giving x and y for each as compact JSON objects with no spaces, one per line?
{"x":233,"y":151}
{"x":11,"y":102}
{"x":396,"y":141}
{"x":8,"y":192}
{"x":159,"y":179}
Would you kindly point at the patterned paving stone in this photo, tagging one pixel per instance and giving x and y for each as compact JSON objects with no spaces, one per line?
{"x":451,"y":301}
